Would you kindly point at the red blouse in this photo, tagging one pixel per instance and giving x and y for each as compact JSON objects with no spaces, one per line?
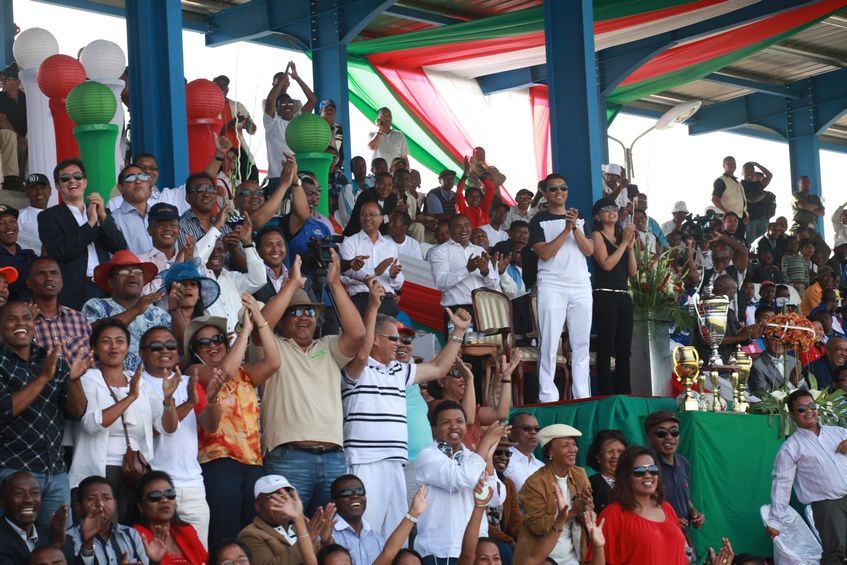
{"x":634,"y":540}
{"x":186,"y":539}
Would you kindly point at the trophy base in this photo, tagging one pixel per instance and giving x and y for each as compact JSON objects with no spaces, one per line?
{"x":691,"y":404}
{"x":740,"y":407}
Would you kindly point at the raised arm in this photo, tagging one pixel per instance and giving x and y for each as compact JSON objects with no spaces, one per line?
{"x":768,"y":175}
{"x":489,"y":415}
{"x":311,"y":100}
{"x":355,"y":367}
{"x":276,"y":306}
{"x":401,"y":533}
{"x":262,"y":370}
{"x":277,"y":89}
{"x":441,"y":363}
{"x":353,"y":330}
{"x":470,"y":540}
{"x":270,"y":208}
{"x":602,"y":257}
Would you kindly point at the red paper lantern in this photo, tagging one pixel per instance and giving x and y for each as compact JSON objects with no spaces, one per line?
{"x":56,"y":77}
{"x":203,"y":99}
{"x":204,"y":102}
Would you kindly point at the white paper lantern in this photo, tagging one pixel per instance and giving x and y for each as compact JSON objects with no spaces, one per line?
{"x":103,"y":59}
{"x":32,"y":46}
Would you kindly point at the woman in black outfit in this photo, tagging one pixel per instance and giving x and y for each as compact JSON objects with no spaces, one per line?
{"x":614,"y":262}
{"x":603,"y":455}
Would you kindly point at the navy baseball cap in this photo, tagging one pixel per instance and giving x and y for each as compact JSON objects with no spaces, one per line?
{"x":6,"y":209}
{"x":326,"y":102}
{"x":35,"y":179}
{"x":162,"y":212}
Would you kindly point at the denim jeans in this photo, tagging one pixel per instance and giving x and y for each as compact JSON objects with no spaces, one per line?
{"x":310,"y":474}
{"x":55,"y":492}
{"x":229,"y":493}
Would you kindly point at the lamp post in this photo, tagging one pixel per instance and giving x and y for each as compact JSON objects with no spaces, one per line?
{"x":675,"y":115}
{"x":57,"y":75}
{"x":91,"y":106}
{"x":308,"y":135}
{"x":104,"y":62}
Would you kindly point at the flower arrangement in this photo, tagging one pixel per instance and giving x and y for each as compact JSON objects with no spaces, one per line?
{"x":792,"y":330}
{"x":832,"y":407}
{"x":656,"y":289}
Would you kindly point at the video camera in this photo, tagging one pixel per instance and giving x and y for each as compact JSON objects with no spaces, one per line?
{"x":699,"y":228}
{"x":319,"y":256}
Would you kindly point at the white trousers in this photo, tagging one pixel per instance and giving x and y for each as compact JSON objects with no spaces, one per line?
{"x":385,"y":488}
{"x":9,"y":152}
{"x":193,"y":509}
{"x":557,"y":305}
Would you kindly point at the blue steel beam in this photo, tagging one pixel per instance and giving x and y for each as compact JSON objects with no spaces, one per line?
{"x":192,"y":24}
{"x":423,"y":16}
{"x":780,"y":90}
{"x":7,"y":33}
{"x":574,"y":112}
{"x":510,"y":80}
{"x":154,"y":39}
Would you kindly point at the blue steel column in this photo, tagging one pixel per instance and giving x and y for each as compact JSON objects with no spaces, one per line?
{"x":7,"y":32}
{"x":574,"y":110}
{"x":804,"y":143}
{"x":157,"y":86}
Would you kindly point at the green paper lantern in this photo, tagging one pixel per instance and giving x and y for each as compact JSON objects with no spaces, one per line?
{"x":308,"y":133}
{"x":91,"y":103}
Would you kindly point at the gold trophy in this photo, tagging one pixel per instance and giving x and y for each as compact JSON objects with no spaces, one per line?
{"x":716,"y":391}
{"x":712,"y":314}
{"x":743,"y":363}
{"x":686,"y":368}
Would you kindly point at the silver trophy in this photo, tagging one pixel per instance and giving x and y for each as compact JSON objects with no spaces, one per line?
{"x":712,"y":314}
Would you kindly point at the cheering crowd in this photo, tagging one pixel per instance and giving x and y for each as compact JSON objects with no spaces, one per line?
{"x":219,"y":373}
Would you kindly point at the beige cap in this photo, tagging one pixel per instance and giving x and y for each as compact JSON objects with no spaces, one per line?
{"x":549,"y":433}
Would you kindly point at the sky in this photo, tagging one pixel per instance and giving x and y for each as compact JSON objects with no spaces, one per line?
{"x":669,"y":165}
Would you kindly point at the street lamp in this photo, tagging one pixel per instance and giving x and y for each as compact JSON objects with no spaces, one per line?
{"x":675,"y":115}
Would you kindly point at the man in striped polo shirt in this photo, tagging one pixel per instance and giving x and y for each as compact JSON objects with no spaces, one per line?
{"x":373,"y":393}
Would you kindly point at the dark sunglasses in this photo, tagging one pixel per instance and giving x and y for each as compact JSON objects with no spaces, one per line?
{"x":298,"y":312}
{"x":143,"y":177}
{"x":248,"y":192}
{"x":662,"y":432}
{"x":347,"y":492}
{"x":642,"y":470}
{"x":528,"y":429}
{"x":65,"y":177}
{"x":406,"y":340}
{"x":207,"y":341}
{"x":503,"y":453}
{"x":201,"y":188}
{"x":157,"y":495}
{"x":557,"y":188}
{"x":801,"y":408}
{"x":393,"y":337}
{"x":155,"y":346}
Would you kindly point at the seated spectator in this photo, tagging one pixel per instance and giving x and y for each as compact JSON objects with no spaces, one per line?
{"x":762,"y":316}
{"x":159,"y":352}
{"x":735,"y":333}
{"x":825,"y":368}
{"x":729,"y":257}
{"x":312,"y":190}
{"x":231,"y":457}
{"x":158,"y":520}
{"x":38,"y":193}
{"x":270,"y":245}
{"x":386,"y":142}
{"x":121,"y":412}
{"x":98,"y":537}
{"x":232,"y":552}
{"x":522,"y":212}
{"x":123,"y":279}
{"x":771,"y":370}
{"x":383,"y":194}
{"x":825,"y":279}
{"x":774,"y":241}
{"x":524,"y":433}
{"x":351,"y":530}
{"x":200,"y":218}
{"x":504,"y":521}
{"x":731,"y":225}
{"x":350,"y":192}
{"x":13,"y":127}
{"x":442,"y":235}
{"x":131,"y":216}
{"x":440,"y":202}
{"x":163,"y":227}
{"x":839,"y":225}
{"x":450,"y":471}
{"x":334,"y":554}
{"x":603,"y":455}
{"x":20,"y":535}
{"x":679,"y":213}
{"x":398,"y":230}
{"x":407,"y":201}
{"x":13,"y":255}
{"x":496,"y":227}
{"x":278,"y":534}
{"x":372,"y":255}
{"x":807,"y":250}
{"x":765,"y":270}
{"x":47,"y":555}
{"x":480,"y":239}
{"x":249,"y":197}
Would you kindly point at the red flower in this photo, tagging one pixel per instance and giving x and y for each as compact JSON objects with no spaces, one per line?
{"x":645,"y":288}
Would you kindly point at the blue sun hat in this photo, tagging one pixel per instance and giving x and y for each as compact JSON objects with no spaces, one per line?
{"x":190,"y":271}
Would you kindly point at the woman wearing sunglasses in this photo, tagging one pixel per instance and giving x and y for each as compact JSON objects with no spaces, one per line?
{"x":199,"y":291}
{"x":231,"y":457}
{"x":640,"y":527}
{"x":173,"y":541}
{"x":122,"y":413}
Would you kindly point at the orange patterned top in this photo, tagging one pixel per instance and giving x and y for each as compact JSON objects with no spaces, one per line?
{"x":238,"y":434}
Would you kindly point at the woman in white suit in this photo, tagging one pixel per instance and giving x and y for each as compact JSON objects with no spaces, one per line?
{"x":120,"y":410}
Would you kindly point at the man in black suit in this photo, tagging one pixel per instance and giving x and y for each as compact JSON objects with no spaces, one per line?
{"x":270,"y":244}
{"x":383,"y":194}
{"x":77,"y":236}
{"x":19,"y":534}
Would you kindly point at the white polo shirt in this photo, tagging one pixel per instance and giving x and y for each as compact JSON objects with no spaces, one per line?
{"x":392,"y":145}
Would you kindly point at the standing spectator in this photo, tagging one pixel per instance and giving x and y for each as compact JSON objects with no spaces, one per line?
{"x":794,"y":268}
{"x":603,"y":456}
{"x":494,"y":228}
{"x":524,"y":433}
{"x":813,"y":461}
{"x":327,"y":110}
{"x":385,"y":142}
{"x":679,"y":213}
{"x":398,"y":229}
{"x":614,"y":263}
{"x":639,"y":202}
{"x":564,"y":288}
{"x":615,"y":184}
{"x":270,"y":243}
{"x":480,"y":168}
{"x":839,"y":226}
{"x":504,"y":521}
{"x":123,"y":278}
{"x":662,"y":430}
{"x":280,"y":109}
{"x":38,"y":191}
{"x":163,"y":227}
{"x":302,"y":432}
{"x":807,"y":207}
{"x":350,"y":192}
{"x":646,"y":240}
{"x":131,"y":216}
{"x":13,"y":255}
{"x":538,"y":497}
{"x":472,"y":201}
{"x":236,"y":121}
{"x":761,"y":204}
{"x":522,"y":211}
{"x":55,"y":323}
{"x":39,"y":390}
{"x":728,"y":195}
{"x":77,"y":236}
{"x":440,"y":202}
{"x":13,"y":128}
{"x":729,"y":257}
{"x":460,"y":267}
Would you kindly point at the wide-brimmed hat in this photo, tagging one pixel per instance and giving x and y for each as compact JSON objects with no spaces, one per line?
{"x":551,"y":432}
{"x":199,"y":323}
{"x":122,"y":258}
{"x":210,"y":290}
{"x":301,"y":298}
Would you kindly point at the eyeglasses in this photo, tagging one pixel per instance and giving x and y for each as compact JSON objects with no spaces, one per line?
{"x":663,"y":432}
{"x":248,"y":193}
{"x":503,"y":453}
{"x":207,"y":341}
{"x":642,"y":470}
{"x":201,"y":188}
{"x":244,"y":560}
{"x":394,"y":337}
{"x":530,"y":429}
{"x":65,"y":177}
{"x":557,"y":188}
{"x":607,"y":209}
{"x":347,"y":492}
{"x":298,"y":312}
{"x":157,"y":495}
{"x":156,"y":346}
{"x":406,"y":340}
{"x":143,"y":177}
{"x":801,"y":408}
{"x":127,"y":271}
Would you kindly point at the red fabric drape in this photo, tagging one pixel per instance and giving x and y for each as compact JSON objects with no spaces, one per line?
{"x":540,"y":102}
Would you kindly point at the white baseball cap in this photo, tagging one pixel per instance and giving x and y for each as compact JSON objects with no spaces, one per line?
{"x":269,"y":484}
{"x":551,"y":432}
{"x":613,"y":169}
{"x":680,"y":206}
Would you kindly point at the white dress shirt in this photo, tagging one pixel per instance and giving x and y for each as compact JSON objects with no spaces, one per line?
{"x":450,"y":482}
{"x":383,"y":248}
{"x":277,"y":281}
{"x":521,"y":467}
{"x":232,"y":283}
{"x":172,"y":196}
{"x":410,"y":247}
{"x":392,"y":145}
{"x":494,"y":236}
{"x":81,"y":217}
{"x":449,"y":265}
{"x":28,"y":229}
{"x":810,"y":463}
